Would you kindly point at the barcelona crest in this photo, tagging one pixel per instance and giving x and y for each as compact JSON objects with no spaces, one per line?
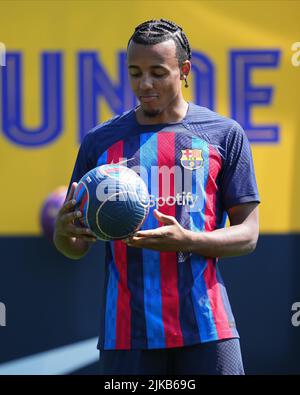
{"x":191,"y":158}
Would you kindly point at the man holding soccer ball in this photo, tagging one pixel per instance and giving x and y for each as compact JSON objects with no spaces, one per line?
{"x":165,"y":307}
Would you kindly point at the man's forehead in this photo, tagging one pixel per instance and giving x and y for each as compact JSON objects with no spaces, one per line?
{"x":161,"y":52}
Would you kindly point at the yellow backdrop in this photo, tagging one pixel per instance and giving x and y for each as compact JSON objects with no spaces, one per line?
{"x":214,"y":28}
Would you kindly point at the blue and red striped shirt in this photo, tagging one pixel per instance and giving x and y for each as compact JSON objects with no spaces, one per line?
{"x":195,"y":170}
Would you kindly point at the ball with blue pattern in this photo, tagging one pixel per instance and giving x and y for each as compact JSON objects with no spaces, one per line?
{"x":114,"y":201}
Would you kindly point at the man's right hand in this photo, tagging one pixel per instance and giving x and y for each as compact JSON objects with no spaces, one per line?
{"x":73,"y":241}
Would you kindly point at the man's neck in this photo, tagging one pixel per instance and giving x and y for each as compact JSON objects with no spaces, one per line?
{"x":173,"y":115}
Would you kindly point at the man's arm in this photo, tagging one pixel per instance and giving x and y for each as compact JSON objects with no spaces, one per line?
{"x":238,"y":239}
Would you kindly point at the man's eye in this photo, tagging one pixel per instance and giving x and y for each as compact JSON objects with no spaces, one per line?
{"x":156,"y":75}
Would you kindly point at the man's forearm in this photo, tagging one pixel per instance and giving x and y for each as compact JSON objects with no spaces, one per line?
{"x":71,"y":247}
{"x":232,"y":241}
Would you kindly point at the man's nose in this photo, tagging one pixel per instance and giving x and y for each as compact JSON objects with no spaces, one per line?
{"x":146,"y":82}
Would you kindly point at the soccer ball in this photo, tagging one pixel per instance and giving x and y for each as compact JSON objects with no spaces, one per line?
{"x":114,"y":201}
{"x":50,"y":209}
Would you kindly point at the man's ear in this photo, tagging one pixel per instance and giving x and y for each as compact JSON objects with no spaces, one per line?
{"x":185,"y":69}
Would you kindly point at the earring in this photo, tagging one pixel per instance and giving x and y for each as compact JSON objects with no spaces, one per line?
{"x":186,"y":85}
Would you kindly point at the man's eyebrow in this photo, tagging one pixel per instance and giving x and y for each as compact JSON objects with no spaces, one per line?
{"x":158,"y":66}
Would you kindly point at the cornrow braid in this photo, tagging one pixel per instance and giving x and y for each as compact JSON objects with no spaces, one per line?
{"x":156,"y":31}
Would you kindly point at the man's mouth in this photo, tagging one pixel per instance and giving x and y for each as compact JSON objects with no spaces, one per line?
{"x":147,"y":98}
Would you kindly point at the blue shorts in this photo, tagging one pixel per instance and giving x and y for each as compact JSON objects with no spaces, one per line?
{"x":221,"y":357}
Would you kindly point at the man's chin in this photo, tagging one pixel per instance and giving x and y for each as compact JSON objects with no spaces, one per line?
{"x":150,"y":113}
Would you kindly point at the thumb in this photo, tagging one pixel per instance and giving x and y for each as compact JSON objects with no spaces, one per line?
{"x":165,"y":219}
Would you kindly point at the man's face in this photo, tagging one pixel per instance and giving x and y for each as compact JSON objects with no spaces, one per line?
{"x":154,"y":75}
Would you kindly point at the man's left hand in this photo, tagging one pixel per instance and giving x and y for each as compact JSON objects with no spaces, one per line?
{"x":171,"y":237}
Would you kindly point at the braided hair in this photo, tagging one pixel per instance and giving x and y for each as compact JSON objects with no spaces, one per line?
{"x":156,"y":31}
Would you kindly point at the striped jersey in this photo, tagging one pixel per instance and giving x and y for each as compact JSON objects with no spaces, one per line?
{"x":195,"y":170}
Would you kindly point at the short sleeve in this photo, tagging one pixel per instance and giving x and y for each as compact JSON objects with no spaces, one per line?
{"x":238,"y":181}
{"x":84,"y":161}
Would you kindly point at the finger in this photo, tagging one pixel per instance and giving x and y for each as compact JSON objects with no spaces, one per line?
{"x":70,"y":217}
{"x":75,"y":231}
{"x":127,"y":240}
{"x":88,"y":239}
{"x":84,"y":238}
{"x":71,"y":192}
{"x":148,"y":233}
{"x":69,"y":201}
{"x":67,"y":207}
{"x":166,"y":219}
{"x":83,"y":231}
{"x":131,"y":243}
